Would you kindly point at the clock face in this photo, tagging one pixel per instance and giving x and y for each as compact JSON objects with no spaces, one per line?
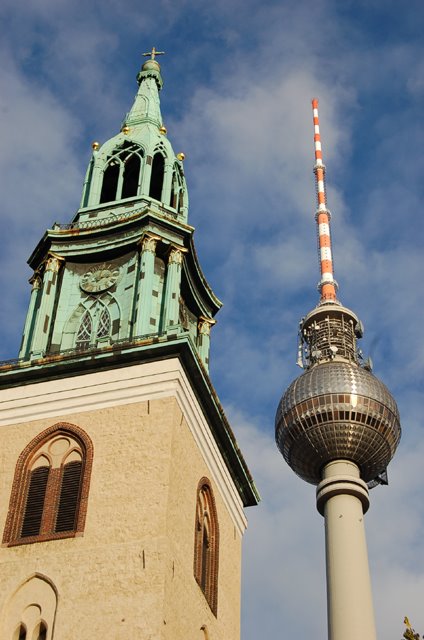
{"x":99,"y":278}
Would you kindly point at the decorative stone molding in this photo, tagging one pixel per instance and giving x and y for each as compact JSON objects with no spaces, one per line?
{"x":54,"y":262}
{"x":149,"y":242}
{"x":204,"y":325}
{"x":35,"y":281}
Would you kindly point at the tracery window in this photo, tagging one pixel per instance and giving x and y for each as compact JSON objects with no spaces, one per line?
{"x":95,"y":324}
{"x":206,"y":544}
{"x":50,"y":488}
{"x":30,"y":611}
{"x":122,"y":174}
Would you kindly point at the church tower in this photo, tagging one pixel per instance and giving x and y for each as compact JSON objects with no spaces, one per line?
{"x":122,"y":485}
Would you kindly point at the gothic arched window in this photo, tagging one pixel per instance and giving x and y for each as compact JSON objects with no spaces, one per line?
{"x":95,"y":324}
{"x":50,"y":487}
{"x":206,"y":544}
{"x":30,"y":611}
{"x":121,"y":175}
{"x":110,"y":182}
{"x":177,"y":190}
{"x":156,"y":180}
{"x":131,"y":176}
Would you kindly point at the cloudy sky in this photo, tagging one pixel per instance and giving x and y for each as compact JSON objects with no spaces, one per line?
{"x":239,"y":76}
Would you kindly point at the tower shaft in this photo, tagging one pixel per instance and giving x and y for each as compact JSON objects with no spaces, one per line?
{"x":342,"y":498}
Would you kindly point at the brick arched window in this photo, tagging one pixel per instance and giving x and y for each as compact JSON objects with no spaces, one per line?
{"x":50,"y":488}
{"x":206,"y":544}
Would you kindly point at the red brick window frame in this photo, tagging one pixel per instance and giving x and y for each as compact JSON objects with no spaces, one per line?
{"x":50,"y":487}
{"x":206,"y":544}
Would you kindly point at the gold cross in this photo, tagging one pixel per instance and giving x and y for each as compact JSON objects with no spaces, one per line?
{"x":153,"y":53}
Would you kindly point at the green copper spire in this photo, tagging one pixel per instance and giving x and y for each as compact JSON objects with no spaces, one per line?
{"x":124,"y":271}
{"x":146,"y":107}
{"x":139,"y":162}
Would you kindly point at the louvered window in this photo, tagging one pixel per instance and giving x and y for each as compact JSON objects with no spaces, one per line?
{"x":69,"y":496}
{"x":35,"y":502}
{"x":50,"y":489}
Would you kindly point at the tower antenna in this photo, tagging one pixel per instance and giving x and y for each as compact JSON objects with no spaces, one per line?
{"x":327,"y":285}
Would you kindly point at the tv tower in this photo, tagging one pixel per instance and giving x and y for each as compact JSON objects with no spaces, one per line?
{"x":338,"y":427}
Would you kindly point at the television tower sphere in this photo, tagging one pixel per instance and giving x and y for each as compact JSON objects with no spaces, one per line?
{"x":337,"y":409}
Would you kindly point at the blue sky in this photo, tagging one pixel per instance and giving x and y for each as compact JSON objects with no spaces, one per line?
{"x":239,"y":76}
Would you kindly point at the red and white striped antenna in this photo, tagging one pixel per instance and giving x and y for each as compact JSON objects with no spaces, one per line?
{"x":327,"y":285}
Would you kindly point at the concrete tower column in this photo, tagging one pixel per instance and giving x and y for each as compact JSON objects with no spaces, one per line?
{"x":342,"y":498}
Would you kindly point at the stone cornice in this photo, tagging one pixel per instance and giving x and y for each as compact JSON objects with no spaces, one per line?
{"x":126,"y":385}
{"x":68,"y":366}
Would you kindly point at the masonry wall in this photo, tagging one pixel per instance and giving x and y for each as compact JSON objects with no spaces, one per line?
{"x":130,"y":575}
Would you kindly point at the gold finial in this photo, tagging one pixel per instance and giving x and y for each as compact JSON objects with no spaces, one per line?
{"x":125,"y":129}
{"x":181,"y":156}
{"x":95,"y":145}
{"x":153,"y":53}
{"x":163,"y":130}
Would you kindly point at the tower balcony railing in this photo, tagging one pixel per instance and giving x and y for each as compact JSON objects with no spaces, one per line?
{"x":114,"y":218}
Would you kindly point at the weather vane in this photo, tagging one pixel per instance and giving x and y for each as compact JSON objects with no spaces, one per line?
{"x":153,"y":53}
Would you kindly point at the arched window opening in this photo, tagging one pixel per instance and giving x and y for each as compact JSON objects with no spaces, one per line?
{"x":131,"y":176}
{"x":177,"y":189}
{"x":173,"y":198}
{"x":110,"y":182}
{"x":84,"y":332}
{"x":95,"y":324}
{"x":41,"y":632}
{"x":206,"y":544}
{"x":121,"y":177}
{"x":50,"y":488}
{"x":20,"y":633}
{"x":156,"y":180}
